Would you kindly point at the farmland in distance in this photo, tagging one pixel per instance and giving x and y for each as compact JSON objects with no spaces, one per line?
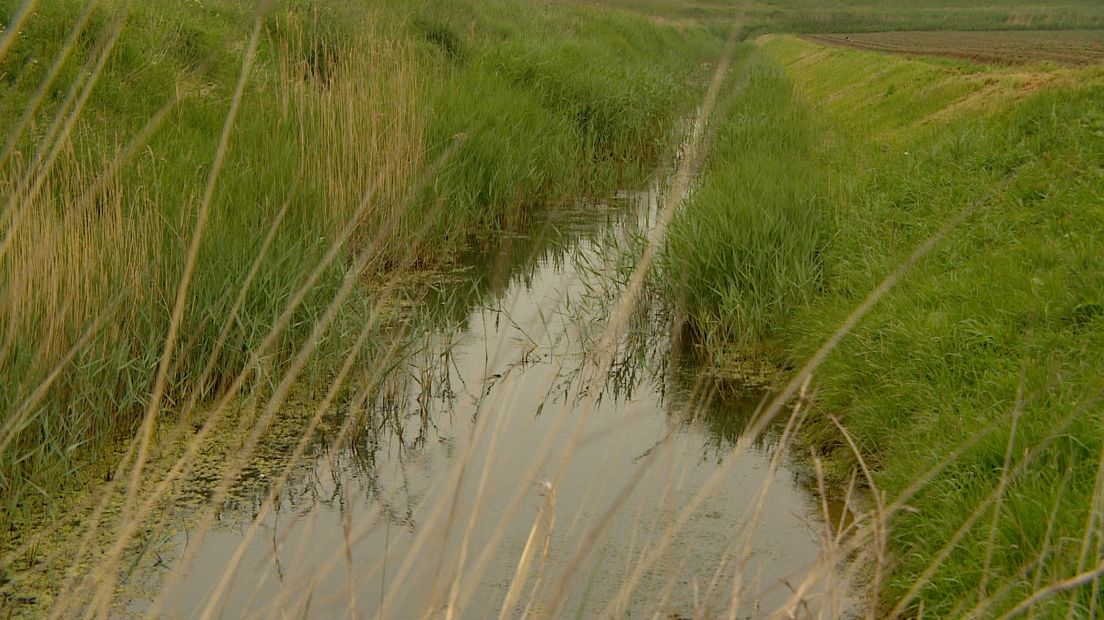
{"x":1067,"y":47}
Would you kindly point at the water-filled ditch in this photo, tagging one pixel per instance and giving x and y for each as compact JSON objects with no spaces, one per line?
{"x":496,"y":464}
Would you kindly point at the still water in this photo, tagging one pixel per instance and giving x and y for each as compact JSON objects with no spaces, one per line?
{"x":499,"y":472}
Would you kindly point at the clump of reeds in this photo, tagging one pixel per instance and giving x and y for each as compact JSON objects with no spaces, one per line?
{"x":745,"y":249}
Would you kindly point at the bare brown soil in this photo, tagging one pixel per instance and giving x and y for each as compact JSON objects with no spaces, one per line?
{"x":1067,"y":47}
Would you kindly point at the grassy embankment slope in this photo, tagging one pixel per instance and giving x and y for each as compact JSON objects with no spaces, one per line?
{"x":992,"y":343}
{"x":395,"y":133}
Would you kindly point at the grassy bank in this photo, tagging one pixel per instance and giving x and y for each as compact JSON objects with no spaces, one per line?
{"x":983,"y":365}
{"x":383,"y":135}
{"x":746,"y":247}
{"x":993,"y":331}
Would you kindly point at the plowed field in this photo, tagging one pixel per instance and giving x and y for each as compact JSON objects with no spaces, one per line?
{"x":1070,"y":47}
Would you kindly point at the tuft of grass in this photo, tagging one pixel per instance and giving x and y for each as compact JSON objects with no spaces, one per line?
{"x":744,"y":251}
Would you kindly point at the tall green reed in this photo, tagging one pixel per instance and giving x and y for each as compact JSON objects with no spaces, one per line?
{"x":744,"y":251}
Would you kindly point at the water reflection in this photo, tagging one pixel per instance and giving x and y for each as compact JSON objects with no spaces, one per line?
{"x":491,"y":431}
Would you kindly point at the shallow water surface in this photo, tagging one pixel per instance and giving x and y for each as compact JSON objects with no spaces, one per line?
{"x":498,"y":455}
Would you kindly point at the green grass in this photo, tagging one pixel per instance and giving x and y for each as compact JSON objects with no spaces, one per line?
{"x":1012,"y":302}
{"x":614,"y":84}
{"x":344,"y":101}
{"x":745,"y":250}
{"x":826,"y":173}
{"x":896,"y":97}
{"x":1016,"y":292}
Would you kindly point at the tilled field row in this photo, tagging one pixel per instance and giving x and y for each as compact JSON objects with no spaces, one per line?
{"x":1069,"y":47}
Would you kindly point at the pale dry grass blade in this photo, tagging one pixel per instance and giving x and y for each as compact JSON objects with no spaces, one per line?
{"x":755,"y":512}
{"x":302,"y":356}
{"x":17,"y":129}
{"x":502,"y":402}
{"x":880,"y":522}
{"x":540,"y":461}
{"x":1017,"y":409}
{"x":985,"y":505}
{"x":37,"y":173}
{"x":544,"y":524}
{"x":19,"y":416}
{"x":832,"y":539}
{"x":1092,"y":530}
{"x":587,"y":541}
{"x":452,"y":607}
{"x":1048,"y":538}
{"x":15,"y":25}
{"x":1056,"y":588}
{"x":145,"y":435}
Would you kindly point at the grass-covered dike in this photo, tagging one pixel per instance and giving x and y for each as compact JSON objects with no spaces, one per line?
{"x":973,"y":386}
